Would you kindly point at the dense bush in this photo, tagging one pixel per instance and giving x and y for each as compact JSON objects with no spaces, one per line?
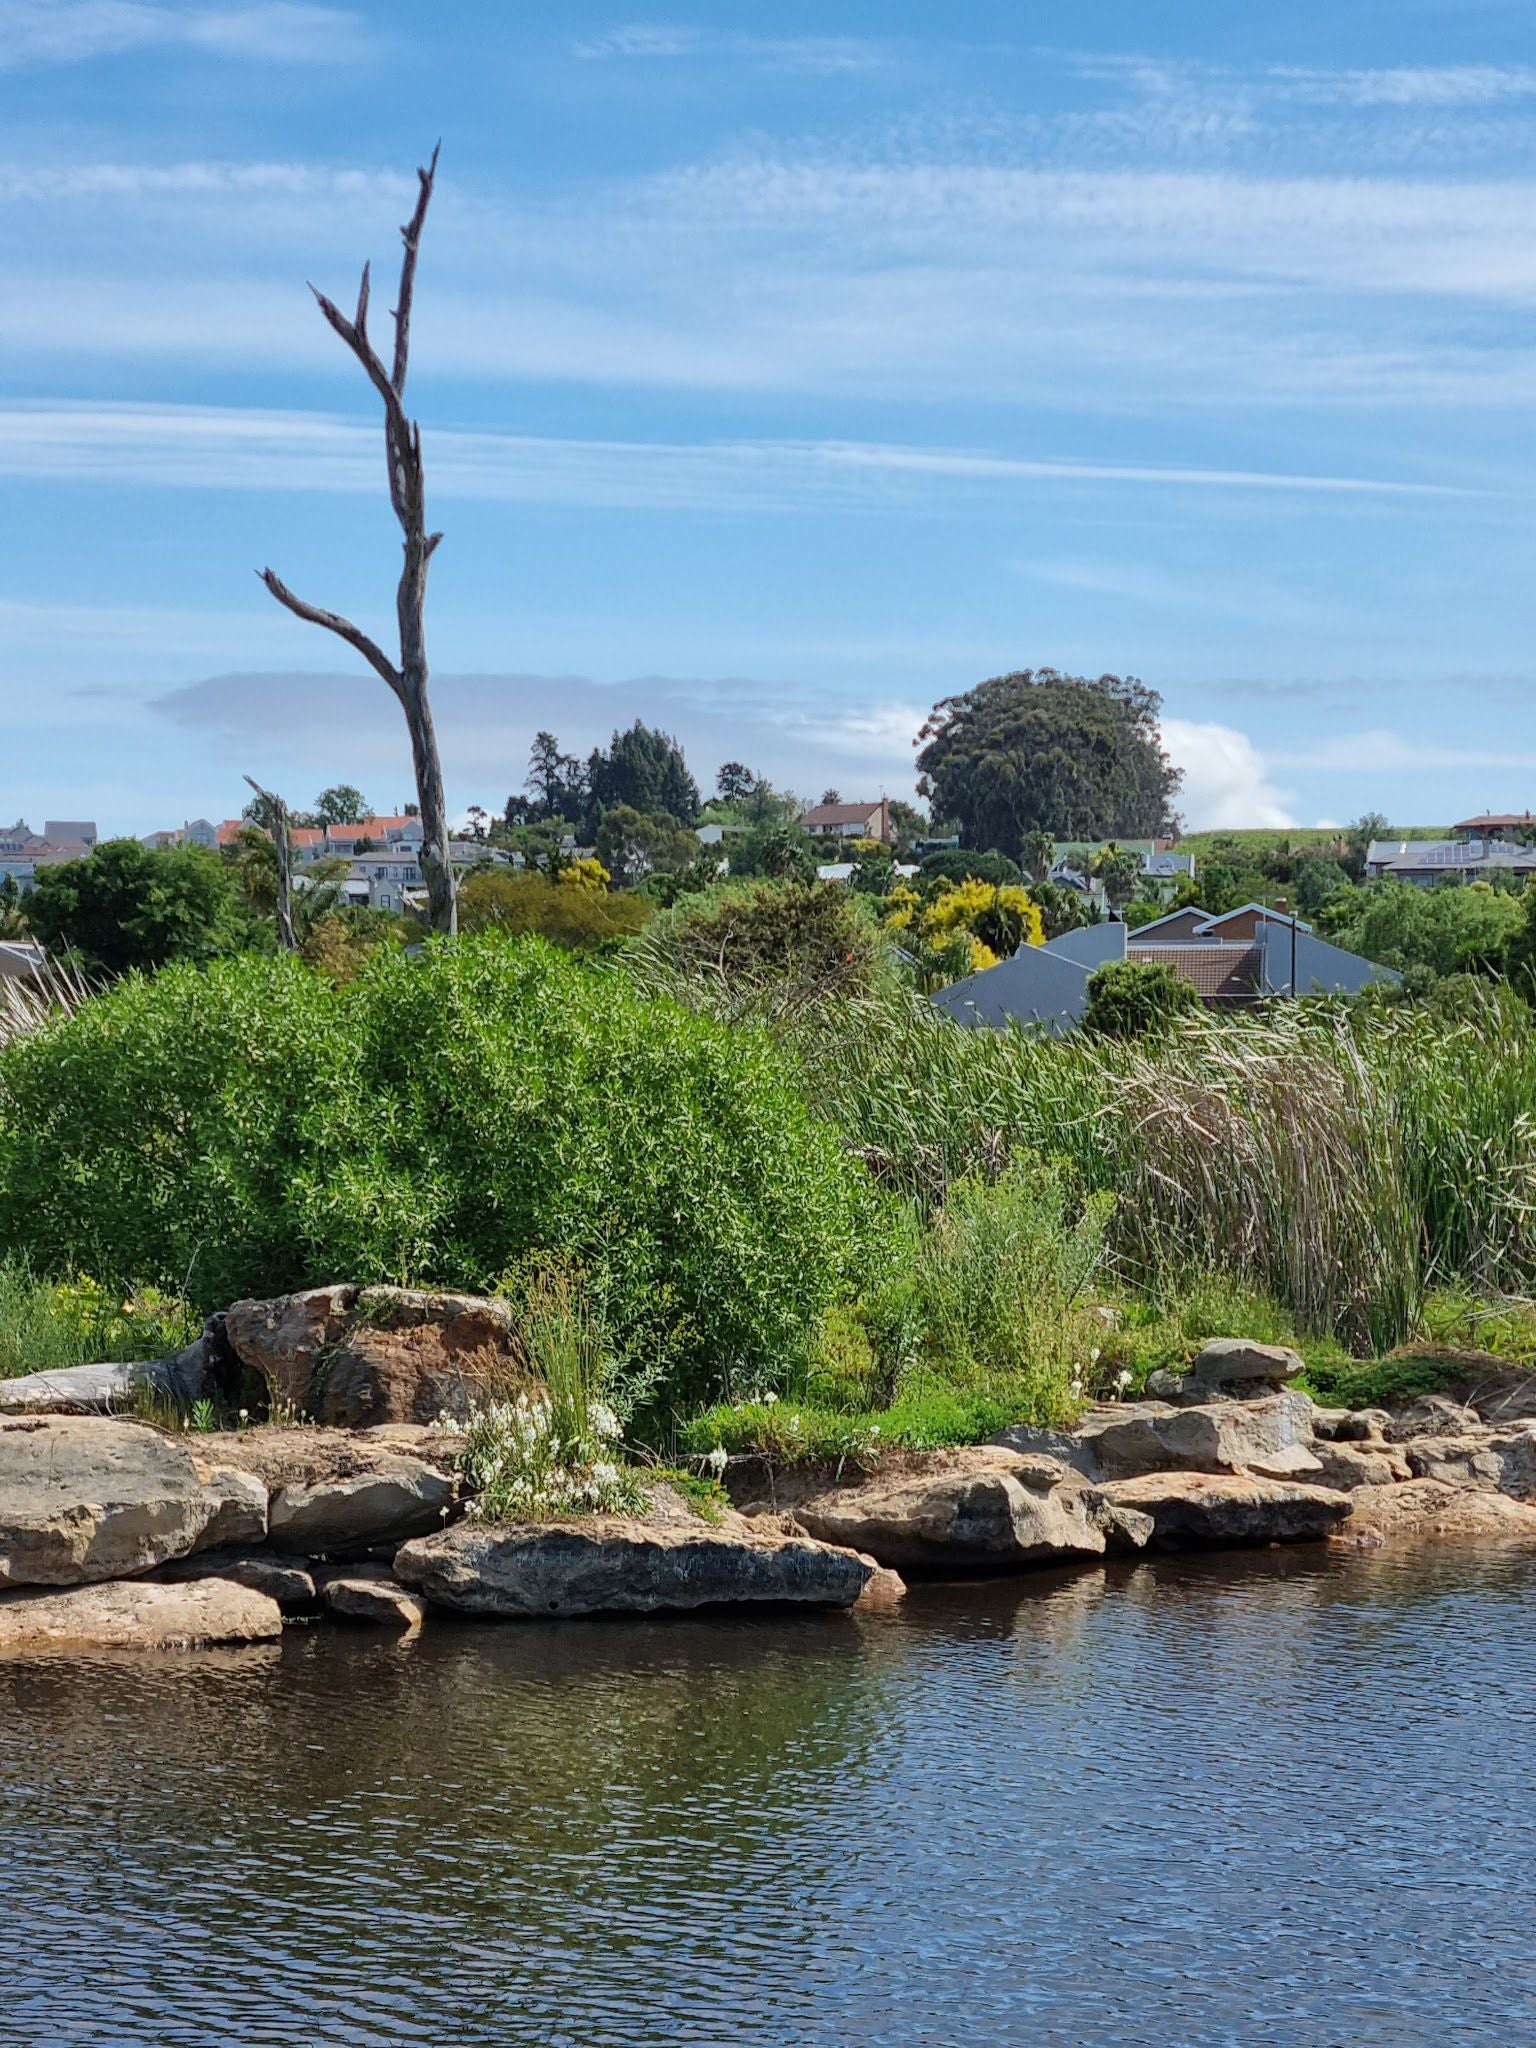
{"x":566,"y":909}
{"x":437,"y":1120}
{"x":776,"y":945}
{"x":1136,"y":998}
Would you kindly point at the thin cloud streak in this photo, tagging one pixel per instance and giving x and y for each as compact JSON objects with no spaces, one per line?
{"x":220,"y":448}
{"x":52,"y":32}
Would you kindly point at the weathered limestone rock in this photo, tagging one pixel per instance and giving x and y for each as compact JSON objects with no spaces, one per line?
{"x":1350,"y":1425}
{"x":980,"y":1507}
{"x":1271,"y":1436}
{"x":1347,"y":1465}
{"x":376,"y":1597}
{"x":1199,"y":1508}
{"x":1426,"y":1508}
{"x":883,"y":1591}
{"x":84,"y":1498}
{"x":339,"y":1493}
{"x":287,"y":1580}
{"x":1475,"y":1461}
{"x":357,"y":1357}
{"x":1234,"y":1362}
{"x":1433,"y":1416}
{"x":136,"y":1614}
{"x":615,"y":1564}
{"x":239,"y":1501}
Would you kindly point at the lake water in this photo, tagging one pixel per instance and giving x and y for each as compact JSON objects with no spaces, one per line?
{"x":1280,"y":1801}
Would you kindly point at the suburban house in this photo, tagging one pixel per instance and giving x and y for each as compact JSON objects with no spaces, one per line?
{"x":1242,"y":957}
{"x":851,"y":821}
{"x":195,"y":832}
{"x":1072,"y":864}
{"x":1431,"y":863}
{"x":1518,"y":828}
{"x":23,"y":851}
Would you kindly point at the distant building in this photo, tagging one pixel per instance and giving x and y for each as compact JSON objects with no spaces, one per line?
{"x":23,"y":851}
{"x":1245,"y":956}
{"x":1518,"y":828}
{"x":851,"y":821}
{"x":1431,"y":863}
{"x":1160,"y":865}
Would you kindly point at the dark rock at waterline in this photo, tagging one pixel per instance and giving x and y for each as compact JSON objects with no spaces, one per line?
{"x":287,"y":1580}
{"x":376,"y":1597}
{"x":618,"y":1564}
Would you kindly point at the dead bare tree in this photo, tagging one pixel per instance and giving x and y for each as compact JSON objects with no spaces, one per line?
{"x":407,"y":493}
{"x":277,"y":812}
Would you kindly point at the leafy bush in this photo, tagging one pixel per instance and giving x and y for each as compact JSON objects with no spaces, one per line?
{"x":950,"y":864}
{"x":567,"y":910}
{"x":1136,"y":998}
{"x":437,"y":1120}
{"x":128,"y":905}
{"x":763,"y":945}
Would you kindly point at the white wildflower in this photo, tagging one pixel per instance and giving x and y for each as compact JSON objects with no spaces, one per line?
{"x":718,"y":1459}
{"x":770,"y":1400}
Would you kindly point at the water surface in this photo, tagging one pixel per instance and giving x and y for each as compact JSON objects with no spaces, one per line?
{"x":1269,"y":1802}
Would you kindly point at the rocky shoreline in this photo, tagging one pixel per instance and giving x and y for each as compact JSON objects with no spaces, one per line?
{"x":115,"y":1532}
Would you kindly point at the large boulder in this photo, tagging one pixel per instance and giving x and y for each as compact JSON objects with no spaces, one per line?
{"x":1192,"y":1509}
{"x":618,"y":1564}
{"x":1272,"y":1437}
{"x":84,"y":1498}
{"x":1237,"y":1363}
{"x":136,"y":1614}
{"x":983,"y":1507}
{"x":359,"y":1357}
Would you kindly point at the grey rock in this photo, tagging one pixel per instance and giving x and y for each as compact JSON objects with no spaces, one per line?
{"x":1236,"y":1362}
{"x":1426,"y":1508}
{"x":627,"y":1565}
{"x":398,"y":1497}
{"x":1063,"y":1445}
{"x":1350,"y":1425}
{"x":287,"y":1580}
{"x":239,"y":1509}
{"x":374,"y":1596}
{"x":1473,"y":1461}
{"x":1434,"y":1415}
{"x":85,"y":1498}
{"x":137,"y":1614}
{"x":984,"y":1507}
{"x":108,"y":1389}
{"x":1347,"y":1466}
{"x":1196,"y":1509}
{"x":1271,"y":1436}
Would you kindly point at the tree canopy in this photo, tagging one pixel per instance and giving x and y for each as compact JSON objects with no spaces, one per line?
{"x":129,"y":906}
{"x":644,"y":769}
{"x":1076,"y":756}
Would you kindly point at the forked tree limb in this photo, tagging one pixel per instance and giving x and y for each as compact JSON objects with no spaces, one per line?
{"x":407,"y":495}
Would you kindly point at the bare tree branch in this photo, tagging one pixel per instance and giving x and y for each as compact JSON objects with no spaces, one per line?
{"x":333,"y":622}
{"x":407,"y":495}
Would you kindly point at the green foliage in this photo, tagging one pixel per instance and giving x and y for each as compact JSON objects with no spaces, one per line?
{"x":252,"y":1129}
{"x":644,"y":770}
{"x":341,"y":804}
{"x":1450,"y":930}
{"x":1136,"y":999}
{"x":1380,"y":1382}
{"x":952,"y":864}
{"x":632,"y":844}
{"x":774,"y":945}
{"x":128,"y":906}
{"x":1520,"y":950}
{"x":800,"y":1434}
{"x":1076,"y":756}
{"x":579,"y":919}
{"x":46,"y":1326}
{"x":157,"y":1133}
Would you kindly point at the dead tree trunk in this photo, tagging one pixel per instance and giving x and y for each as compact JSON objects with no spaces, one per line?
{"x":407,"y":493}
{"x":277,"y":811}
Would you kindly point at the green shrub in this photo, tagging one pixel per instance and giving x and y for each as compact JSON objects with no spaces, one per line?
{"x":46,"y":1326}
{"x":438,"y":1120}
{"x":771,"y":946}
{"x":1136,"y":998}
{"x":155,"y":1134}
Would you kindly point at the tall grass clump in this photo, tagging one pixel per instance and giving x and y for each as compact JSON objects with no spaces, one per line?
{"x":46,"y":1326}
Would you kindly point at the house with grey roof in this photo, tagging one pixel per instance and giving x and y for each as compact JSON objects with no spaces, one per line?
{"x":1431,"y":863}
{"x":1233,"y":960}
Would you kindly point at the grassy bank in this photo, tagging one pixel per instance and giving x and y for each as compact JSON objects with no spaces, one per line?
{"x":827,"y":1222}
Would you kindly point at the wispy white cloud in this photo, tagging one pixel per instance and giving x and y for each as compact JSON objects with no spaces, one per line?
{"x":1446,"y":85}
{"x":1382,"y":751}
{"x":223,"y":448}
{"x":653,"y":41}
{"x":1226,"y":779}
{"x":261,"y":31}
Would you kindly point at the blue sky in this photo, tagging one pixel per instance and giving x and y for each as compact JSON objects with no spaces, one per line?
{"x":781,"y":369}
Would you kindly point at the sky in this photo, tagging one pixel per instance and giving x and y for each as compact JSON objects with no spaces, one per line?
{"x":782,"y":369}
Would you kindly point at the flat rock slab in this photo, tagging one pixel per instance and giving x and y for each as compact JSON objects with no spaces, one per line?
{"x":137,"y":1614}
{"x":985,"y":1507}
{"x":1271,"y":1437}
{"x":339,"y":1493}
{"x":84,"y":1498}
{"x":376,"y":1597}
{"x":625,"y":1565}
{"x":1236,"y":1362}
{"x":1202,"y":1508}
{"x":1429,"y":1508}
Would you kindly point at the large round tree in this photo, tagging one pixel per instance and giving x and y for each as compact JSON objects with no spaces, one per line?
{"x":1076,"y":756}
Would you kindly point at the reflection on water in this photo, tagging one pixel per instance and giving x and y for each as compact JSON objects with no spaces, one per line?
{"x":1273,"y":1802}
